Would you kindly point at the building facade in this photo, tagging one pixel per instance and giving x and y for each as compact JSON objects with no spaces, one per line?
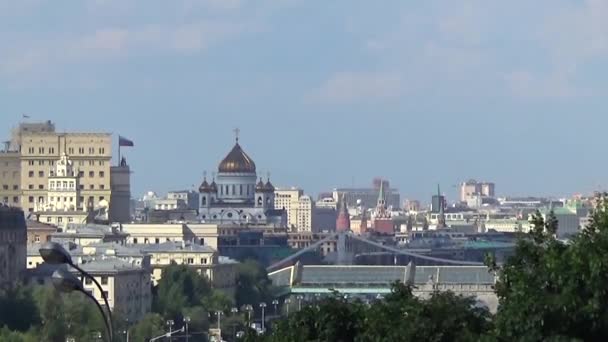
{"x":287,"y":199}
{"x":13,"y":241}
{"x":32,"y":153}
{"x":234,"y":197}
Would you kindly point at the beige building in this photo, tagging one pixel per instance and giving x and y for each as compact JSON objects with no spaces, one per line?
{"x":144,"y":233}
{"x":32,"y":153}
{"x":127,"y":286}
{"x":221,"y":272}
{"x":305,"y":214}
{"x":288,"y":199}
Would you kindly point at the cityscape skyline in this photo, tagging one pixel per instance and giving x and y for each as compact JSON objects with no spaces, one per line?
{"x":416,"y":93}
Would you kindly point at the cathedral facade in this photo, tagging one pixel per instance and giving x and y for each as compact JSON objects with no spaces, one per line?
{"x":236,"y":197}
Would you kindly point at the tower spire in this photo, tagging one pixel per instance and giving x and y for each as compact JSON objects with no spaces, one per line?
{"x":236,"y":131}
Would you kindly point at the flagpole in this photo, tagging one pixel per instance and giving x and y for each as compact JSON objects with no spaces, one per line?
{"x":118,"y":162}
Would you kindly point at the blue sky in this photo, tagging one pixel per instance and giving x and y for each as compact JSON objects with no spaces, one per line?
{"x":324,"y":92}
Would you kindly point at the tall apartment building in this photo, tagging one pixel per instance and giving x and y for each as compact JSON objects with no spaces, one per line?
{"x":473,"y":188}
{"x":288,"y":199}
{"x":29,"y":159}
{"x":305,"y":214}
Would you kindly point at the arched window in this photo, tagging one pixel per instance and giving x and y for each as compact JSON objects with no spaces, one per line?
{"x":233,"y":190}
{"x":260,"y":200}
{"x":241,"y":189}
{"x":204,"y":200}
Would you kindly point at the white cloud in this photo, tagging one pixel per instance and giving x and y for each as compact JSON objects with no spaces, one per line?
{"x":349,"y":87}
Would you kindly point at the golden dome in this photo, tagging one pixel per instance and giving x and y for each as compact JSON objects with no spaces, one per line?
{"x":237,"y":161}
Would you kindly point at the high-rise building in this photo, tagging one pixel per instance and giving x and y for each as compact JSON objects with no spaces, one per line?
{"x":288,"y":199}
{"x":120,"y":199}
{"x":305,"y":214}
{"x":30,"y":157}
{"x":473,"y":188}
{"x":13,"y":241}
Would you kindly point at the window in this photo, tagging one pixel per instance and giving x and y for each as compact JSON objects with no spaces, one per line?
{"x":30,"y":186}
{"x":101,"y":163}
{"x":59,"y":219}
{"x":48,"y":219}
{"x":36,"y":238}
{"x":71,"y":150}
{"x":204,"y":261}
{"x":51,"y":150}
{"x":135,"y":241}
{"x":5,"y":199}
{"x":91,"y":186}
{"x":88,"y":281}
{"x":104,"y":280}
{"x":102,"y":150}
{"x":101,"y":174}
{"x":52,"y":185}
{"x":157,"y":240}
{"x":91,"y":163}
{"x":40,"y":173}
{"x":30,"y":174}
{"x":91,"y":174}
{"x":30,"y":150}
{"x":5,"y":187}
{"x":30,"y":199}
{"x":81,"y":150}
{"x":16,"y":199}
{"x":101,"y":186}
{"x":40,"y":199}
{"x":41,"y":162}
{"x":70,"y":219}
{"x":105,"y":293}
{"x":101,"y":198}
{"x":81,"y":199}
{"x":40,"y":187}
{"x":41,"y":150}
{"x":190,"y":261}
{"x":30,"y":162}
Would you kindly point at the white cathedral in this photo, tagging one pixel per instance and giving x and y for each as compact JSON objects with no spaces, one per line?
{"x":234,"y":197}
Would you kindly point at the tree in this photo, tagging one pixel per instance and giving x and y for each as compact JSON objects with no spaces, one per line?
{"x":253,"y":284}
{"x":550,"y":290}
{"x":151,"y":325}
{"x":179,"y":287}
{"x":18,"y":310}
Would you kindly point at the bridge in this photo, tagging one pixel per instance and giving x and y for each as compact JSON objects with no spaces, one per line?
{"x":350,"y":246}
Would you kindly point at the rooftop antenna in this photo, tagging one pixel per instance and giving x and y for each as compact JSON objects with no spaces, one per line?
{"x":236,"y":131}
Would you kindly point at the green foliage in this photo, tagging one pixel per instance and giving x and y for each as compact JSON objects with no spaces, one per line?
{"x":27,"y":314}
{"x":550,"y":290}
{"x":151,"y":325}
{"x":253,"y":285}
{"x":400,"y":317}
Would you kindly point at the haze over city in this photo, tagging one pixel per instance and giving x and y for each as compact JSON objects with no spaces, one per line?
{"x":419,"y":93}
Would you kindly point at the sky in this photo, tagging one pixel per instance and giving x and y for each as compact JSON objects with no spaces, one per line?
{"x":325,"y":93}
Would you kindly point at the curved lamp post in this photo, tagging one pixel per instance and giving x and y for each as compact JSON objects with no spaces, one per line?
{"x":65,"y":281}
{"x":275,"y":303}
{"x":286,"y":303}
{"x":54,"y":253}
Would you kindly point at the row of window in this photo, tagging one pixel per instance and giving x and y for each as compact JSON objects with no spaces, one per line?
{"x":5,"y":187}
{"x":102,"y":174}
{"x":5,"y":174}
{"x":5,"y":199}
{"x":81,"y":150}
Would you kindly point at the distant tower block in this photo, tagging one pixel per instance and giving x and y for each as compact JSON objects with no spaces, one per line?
{"x":120,"y":199}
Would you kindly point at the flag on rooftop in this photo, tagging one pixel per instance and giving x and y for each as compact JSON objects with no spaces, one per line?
{"x":122,"y":141}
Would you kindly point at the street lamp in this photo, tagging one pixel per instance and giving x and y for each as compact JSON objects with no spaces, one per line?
{"x":170,"y":323}
{"x":249,"y":309}
{"x":234,"y":311}
{"x":65,"y":281}
{"x":263,"y":306}
{"x":299,"y":298}
{"x":219,"y":320}
{"x":275,"y":303}
{"x":54,"y":253}
{"x":287,"y":302}
{"x":187,"y":321}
